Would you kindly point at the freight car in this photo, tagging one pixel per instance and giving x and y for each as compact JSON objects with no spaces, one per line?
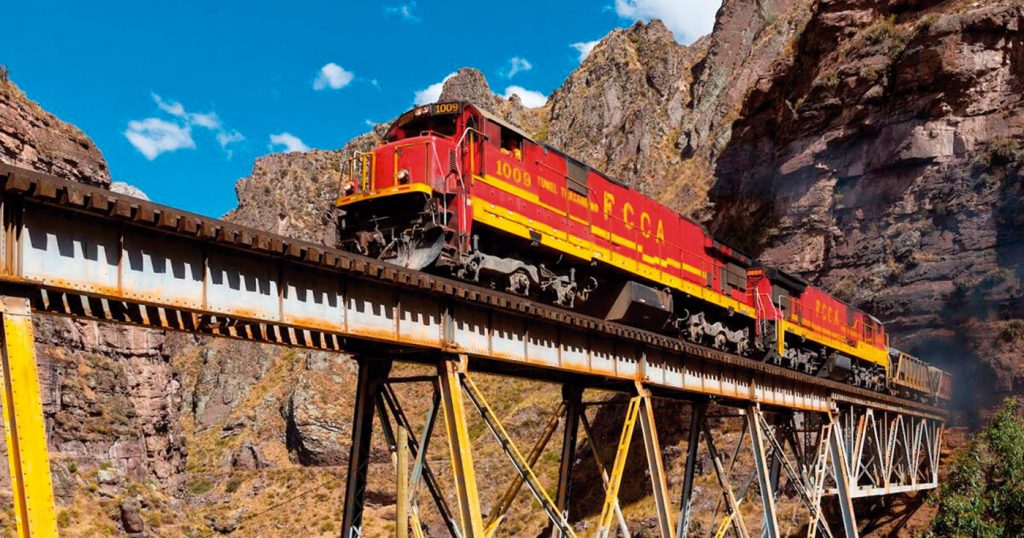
{"x":454,"y":189}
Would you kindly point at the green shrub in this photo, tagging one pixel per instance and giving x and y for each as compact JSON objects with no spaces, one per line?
{"x":881,"y":32}
{"x":997,"y":152}
{"x":233,"y":484}
{"x":983,"y":492}
{"x":199,"y":486}
{"x":63,"y":519}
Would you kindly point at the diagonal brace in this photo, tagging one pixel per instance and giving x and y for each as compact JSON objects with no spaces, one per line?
{"x":518,"y":461}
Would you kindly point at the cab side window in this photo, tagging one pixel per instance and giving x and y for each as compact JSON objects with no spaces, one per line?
{"x":511,"y":143}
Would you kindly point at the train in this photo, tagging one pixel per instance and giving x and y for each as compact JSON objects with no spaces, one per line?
{"x":453,"y":189}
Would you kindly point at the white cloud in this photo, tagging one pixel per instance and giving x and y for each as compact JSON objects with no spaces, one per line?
{"x":173,"y":108}
{"x":584,"y":48}
{"x":530,"y":98}
{"x":153,"y":136}
{"x":431,"y":93}
{"x":405,"y":11}
{"x":687,"y":20}
{"x":517,"y":65}
{"x":208,"y":120}
{"x":225,"y":139}
{"x":288,"y":141}
{"x":332,"y":76}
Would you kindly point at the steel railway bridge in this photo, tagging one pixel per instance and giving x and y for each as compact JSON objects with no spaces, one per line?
{"x":70,"y":249}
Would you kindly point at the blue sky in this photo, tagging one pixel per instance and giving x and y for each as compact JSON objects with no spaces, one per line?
{"x":181,"y":97}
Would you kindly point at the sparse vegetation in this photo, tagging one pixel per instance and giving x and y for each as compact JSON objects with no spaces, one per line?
{"x":4,"y":73}
{"x":64,"y":519}
{"x":881,"y":32}
{"x":829,"y":80}
{"x":846,"y":289}
{"x":999,"y":151}
{"x":886,"y":37}
{"x":199,"y":486}
{"x":984,"y":489}
{"x":926,"y":22}
{"x":233,"y":484}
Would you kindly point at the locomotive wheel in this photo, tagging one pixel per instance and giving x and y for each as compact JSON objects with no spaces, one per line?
{"x":519,"y":282}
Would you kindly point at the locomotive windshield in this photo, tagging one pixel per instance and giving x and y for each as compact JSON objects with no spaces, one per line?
{"x":438,"y":119}
{"x":443,"y":125}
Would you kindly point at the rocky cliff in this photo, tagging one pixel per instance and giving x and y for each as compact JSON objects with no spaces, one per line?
{"x":34,"y":138}
{"x":882,"y":160}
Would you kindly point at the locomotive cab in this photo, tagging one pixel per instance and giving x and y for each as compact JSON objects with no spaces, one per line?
{"x":396,"y":201}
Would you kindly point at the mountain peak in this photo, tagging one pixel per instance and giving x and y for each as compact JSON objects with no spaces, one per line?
{"x":468,"y":84}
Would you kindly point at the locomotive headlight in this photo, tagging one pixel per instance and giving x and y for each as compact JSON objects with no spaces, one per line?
{"x":404,"y":176}
{"x":349,"y":188}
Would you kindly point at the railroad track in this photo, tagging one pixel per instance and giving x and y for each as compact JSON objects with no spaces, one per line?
{"x":31,"y":187}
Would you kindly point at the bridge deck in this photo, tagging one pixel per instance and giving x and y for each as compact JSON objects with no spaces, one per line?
{"x":90,"y":252}
{"x":76,"y":250}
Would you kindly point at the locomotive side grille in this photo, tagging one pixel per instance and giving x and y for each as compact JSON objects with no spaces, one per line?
{"x":451,"y":161}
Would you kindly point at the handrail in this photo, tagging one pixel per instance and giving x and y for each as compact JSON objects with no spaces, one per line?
{"x":367,"y":161}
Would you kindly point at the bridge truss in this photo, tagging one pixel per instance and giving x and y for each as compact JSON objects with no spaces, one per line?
{"x":69,"y":249}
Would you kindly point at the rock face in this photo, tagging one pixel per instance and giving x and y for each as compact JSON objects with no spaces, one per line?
{"x":622,"y":110}
{"x":33,"y":138}
{"x":883,"y":161}
{"x":290,"y":193}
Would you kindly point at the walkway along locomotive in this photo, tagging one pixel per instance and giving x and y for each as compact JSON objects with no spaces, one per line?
{"x":454,"y":189}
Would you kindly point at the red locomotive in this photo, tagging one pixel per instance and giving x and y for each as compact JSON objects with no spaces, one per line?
{"x":454,"y":189}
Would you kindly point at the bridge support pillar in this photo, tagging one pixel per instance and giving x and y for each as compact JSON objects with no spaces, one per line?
{"x":390,"y":410}
{"x":764,"y":475}
{"x":840,"y":469}
{"x":24,"y":426}
{"x":605,"y":479}
{"x":572,"y":399}
{"x":470,"y":519}
{"x":372,"y":374}
{"x":655,"y":466}
{"x":693,"y":442}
